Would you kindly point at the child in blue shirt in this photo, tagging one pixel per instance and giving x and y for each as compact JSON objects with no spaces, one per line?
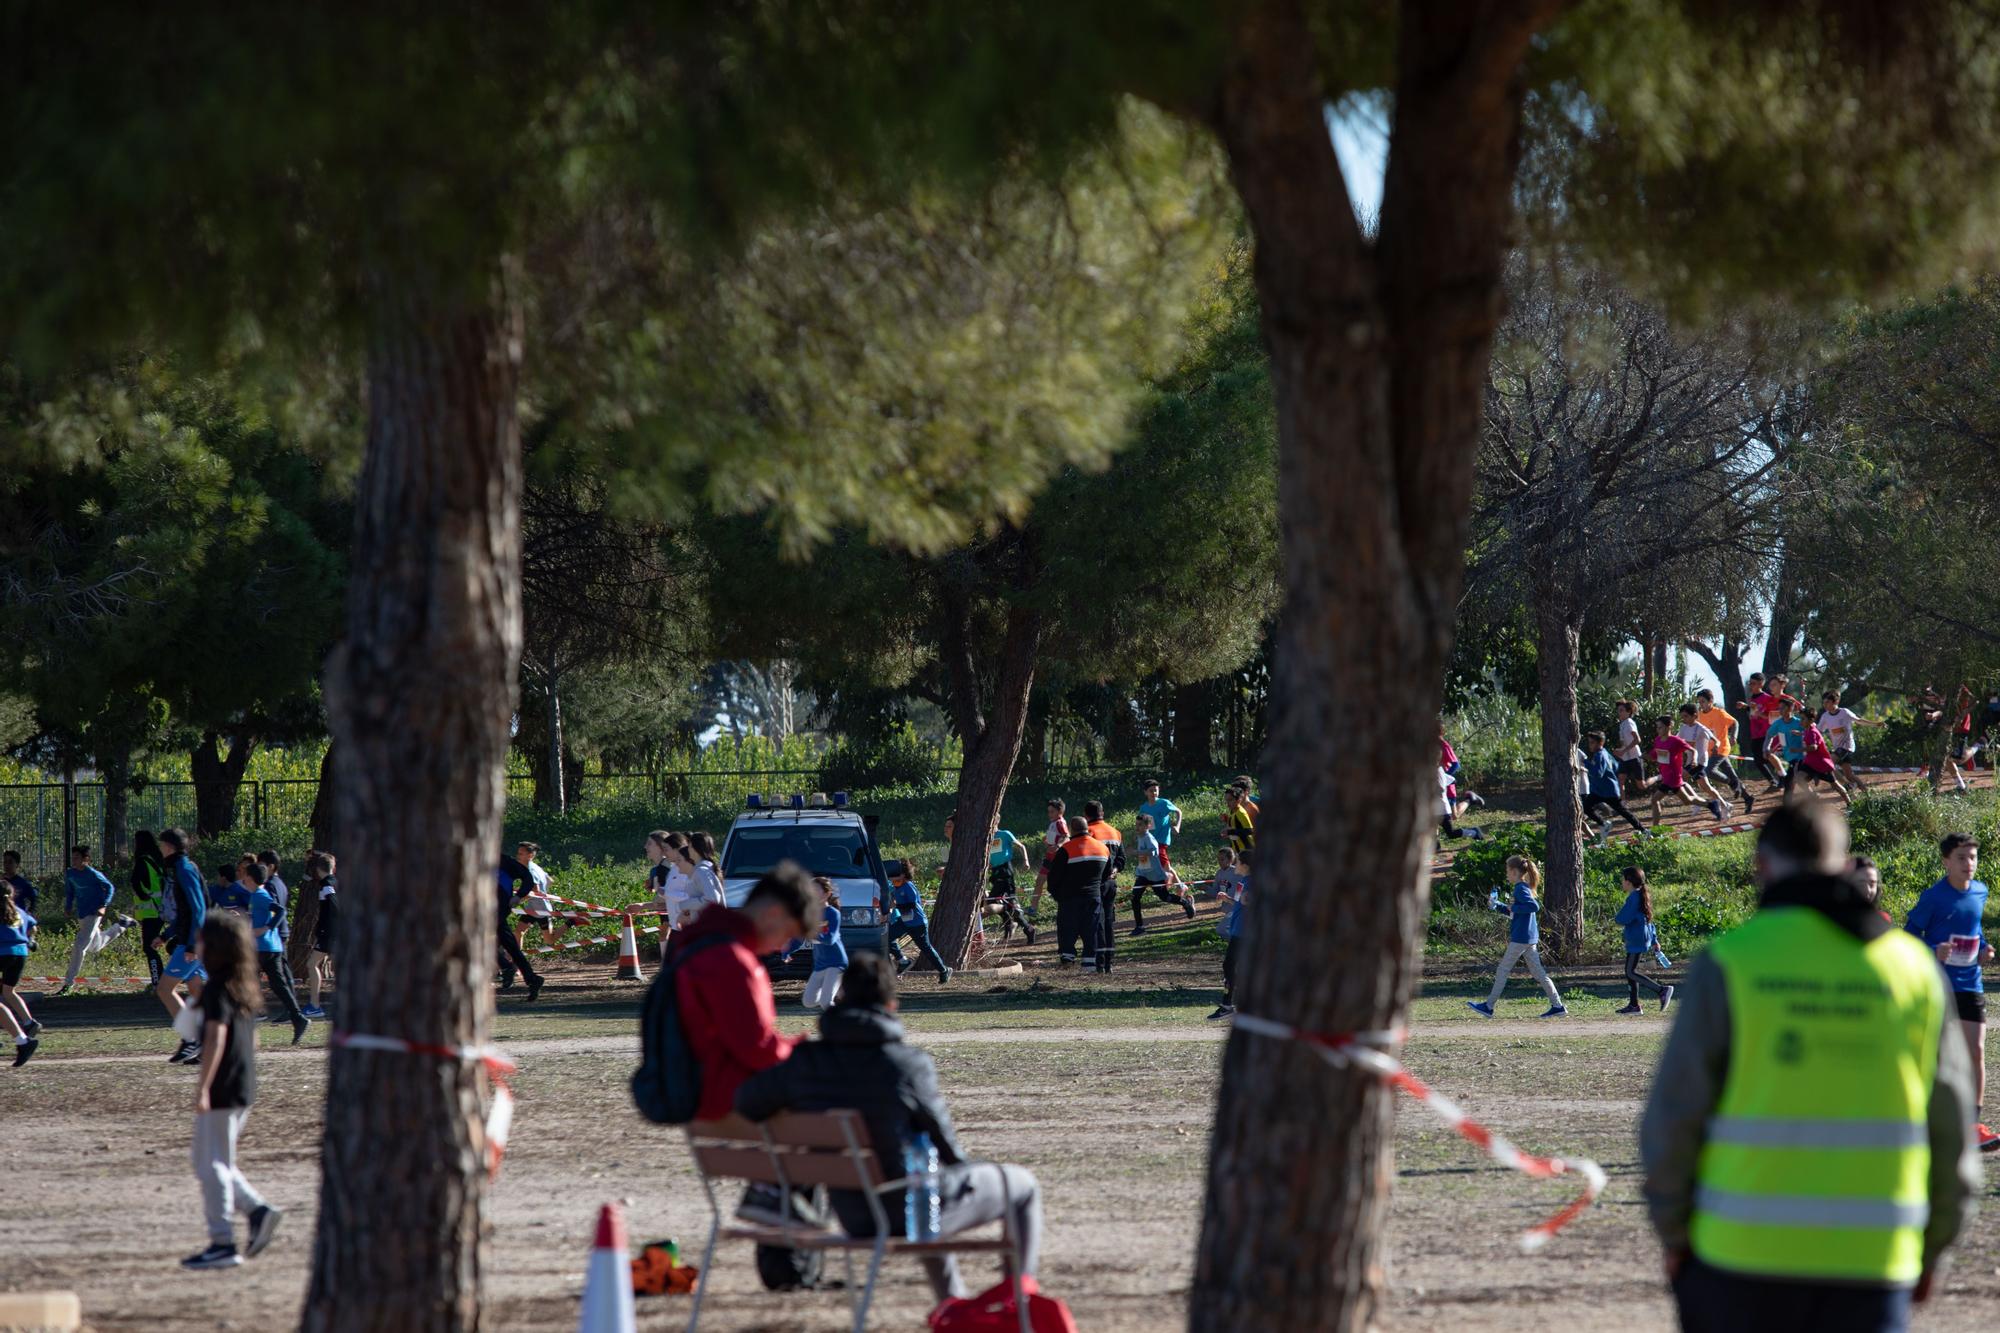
{"x":17,"y":936}
{"x":1233,"y":892}
{"x":87,"y":894}
{"x":1166,"y":816}
{"x":1947,"y":917}
{"x":910,"y":922}
{"x":829,"y":952}
{"x":1523,"y":939}
{"x":1636,"y":916}
{"x":266,"y":917}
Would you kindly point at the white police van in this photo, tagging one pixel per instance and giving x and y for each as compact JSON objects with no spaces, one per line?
{"x":826,"y":838}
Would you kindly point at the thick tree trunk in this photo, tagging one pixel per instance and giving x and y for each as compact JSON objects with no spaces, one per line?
{"x":420,"y":695}
{"x":1557,"y":644}
{"x":1123,"y":741}
{"x":1787,"y":613}
{"x":217,"y":779}
{"x":1194,"y":726}
{"x":1378,"y":355}
{"x":115,"y":768}
{"x":982,"y":785}
{"x":1727,"y":666}
{"x":325,"y":826}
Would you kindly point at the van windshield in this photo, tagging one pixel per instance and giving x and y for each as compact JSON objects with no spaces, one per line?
{"x":833,"y":850}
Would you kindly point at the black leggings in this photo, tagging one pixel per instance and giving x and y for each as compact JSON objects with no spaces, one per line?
{"x":1614,"y":806}
{"x":1159,"y":891}
{"x":150,"y":930}
{"x":512,"y":959}
{"x":272,"y":965}
{"x":1634,"y":978}
{"x":1229,"y":973}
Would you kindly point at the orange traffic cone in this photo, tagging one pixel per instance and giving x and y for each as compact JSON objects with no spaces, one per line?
{"x":607,"y":1288}
{"x":628,"y":954}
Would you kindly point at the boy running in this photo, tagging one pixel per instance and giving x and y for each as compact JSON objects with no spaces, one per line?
{"x":1723,"y":727}
{"x":1166,"y":816}
{"x":1149,"y":876}
{"x":87,"y":895}
{"x":1759,"y":709}
{"x":1603,"y":799}
{"x":1625,"y":748}
{"x":1703,"y":740}
{"x":1837,"y":724}
{"x":1785,"y":741}
{"x":1670,"y":755}
{"x":1947,"y":917}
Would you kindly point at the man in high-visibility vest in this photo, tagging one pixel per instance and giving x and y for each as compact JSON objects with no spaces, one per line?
{"x":1808,"y":1140}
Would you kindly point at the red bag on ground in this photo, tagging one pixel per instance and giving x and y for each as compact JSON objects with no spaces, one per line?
{"x":992,"y":1311}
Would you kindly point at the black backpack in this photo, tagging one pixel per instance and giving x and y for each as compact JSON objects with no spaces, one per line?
{"x":667,"y":1085}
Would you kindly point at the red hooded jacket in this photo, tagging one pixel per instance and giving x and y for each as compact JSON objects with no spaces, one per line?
{"x":727,"y":1009}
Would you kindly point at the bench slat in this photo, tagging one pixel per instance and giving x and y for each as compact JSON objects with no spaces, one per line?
{"x":801,"y":1168}
{"x":808,"y":1238}
{"x":818,"y":1129}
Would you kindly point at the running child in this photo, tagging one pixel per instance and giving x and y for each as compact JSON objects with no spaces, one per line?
{"x":228,"y":1088}
{"x":1838,"y":724}
{"x":1001,"y":886}
{"x":1238,"y":824}
{"x":1523,"y":939}
{"x":1947,"y":917}
{"x":87,"y":895}
{"x":253,"y":880}
{"x":183,"y":937}
{"x":1641,"y":939}
{"x":907,"y":905}
{"x":10,"y":874}
{"x":320,"y":869}
{"x":1723,"y":728}
{"x":1149,"y":876}
{"x":1233,"y":895}
{"x":17,"y":936}
{"x":829,"y":952}
{"x":1759,"y":708}
{"x":1228,"y":874}
{"x":1785,"y":741}
{"x":1702,"y":739}
{"x":1816,"y":763}
{"x":1603,"y":798}
{"x":1626,"y":747}
{"x":1448,"y":761}
{"x":1451,"y":808}
{"x":536,"y":910}
{"x":1670,"y":753}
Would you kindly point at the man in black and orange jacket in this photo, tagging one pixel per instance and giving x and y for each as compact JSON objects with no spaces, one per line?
{"x":1107,"y":888}
{"x":1076,"y":872}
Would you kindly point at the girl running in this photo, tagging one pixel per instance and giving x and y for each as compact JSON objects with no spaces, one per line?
{"x":1670,"y":754}
{"x":829,"y":953}
{"x":1523,"y":939}
{"x":1817,"y":763}
{"x":1641,"y":940}
{"x":229,"y":1006}
{"x":17,"y":936}
{"x":148,"y":887}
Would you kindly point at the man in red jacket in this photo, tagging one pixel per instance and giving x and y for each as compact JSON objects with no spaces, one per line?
{"x":724,"y":994}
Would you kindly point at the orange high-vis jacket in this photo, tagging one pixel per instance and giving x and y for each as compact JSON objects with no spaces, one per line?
{"x":1079,"y":865}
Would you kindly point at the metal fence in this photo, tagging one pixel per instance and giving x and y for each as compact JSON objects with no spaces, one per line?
{"x":43,"y":820}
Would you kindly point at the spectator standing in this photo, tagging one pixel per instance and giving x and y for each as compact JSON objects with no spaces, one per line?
{"x":1232,"y":885}
{"x":24,"y":888}
{"x":148,"y":897}
{"x":862,"y":1063}
{"x":1805,"y":1142}
{"x":320,"y":873}
{"x":1075,"y":875}
{"x":1107,"y":888}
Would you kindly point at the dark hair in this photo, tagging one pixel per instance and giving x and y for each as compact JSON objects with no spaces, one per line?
{"x":1597,"y":736}
{"x":230,"y":960}
{"x":1243,"y":857}
{"x":1093,"y":810}
{"x":1154,"y":782}
{"x":175,"y":837}
{"x":1687,"y":710}
{"x":268,"y":857}
{"x":829,"y":888}
{"x":258,"y":875}
{"x":1953,"y":841}
{"x":903,"y":867}
{"x":704,"y":846}
{"x":1627,"y":705}
{"x":1636,"y":877}
{"x":1057,"y":802}
{"x":785,"y":885}
{"x":10,"y":855}
{"x":1078,"y":826}
{"x":146,"y":847}
{"x":1806,"y":834}
{"x":82,"y":849}
{"x":319,"y":865}
{"x":868,"y":983}
{"x":1866,"y":863}
{"x":532,"y":849}
{"x":659,"y":835}
{"x":1662,"y":721}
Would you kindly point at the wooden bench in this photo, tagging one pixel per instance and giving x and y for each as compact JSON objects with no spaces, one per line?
{"x":824,"y":1148}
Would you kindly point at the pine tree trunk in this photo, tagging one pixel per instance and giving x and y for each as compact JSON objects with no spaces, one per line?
{"x":1379,"y":353}
{"x":325,"y":827}
{"x":217,"y":780}
{"x":115,"y":768}
{"x":1194,"y":726}
{"x":420,"y":695}
{"x":982,"y":786}
{"x":1557,"y":644}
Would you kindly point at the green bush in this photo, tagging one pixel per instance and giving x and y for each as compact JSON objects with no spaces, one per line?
{"x":901,"y":759}
{"x":1483,"y":865}
{"x":1885,"y":818}
{"x":1688,"y":920}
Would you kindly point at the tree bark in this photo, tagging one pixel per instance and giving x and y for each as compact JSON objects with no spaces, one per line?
{"x":1786,"y":613}
{"x":420,"y":695}
{"x":982,"y":784}
{"x":1378,"y":356}
{"x":217,"y":779}
{"x":1194,"y":726}
{"x":558,"y":790}
{"x":114,"y":766}
{"x":1558,"y":638}
{"x":1727,"y":666}
{"x":325,"y":826}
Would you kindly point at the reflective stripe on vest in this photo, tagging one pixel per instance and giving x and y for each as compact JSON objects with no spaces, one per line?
{"x":1816,"y":1163}
{"x":1817,"y":1133}
{"x":1806,"y":1211}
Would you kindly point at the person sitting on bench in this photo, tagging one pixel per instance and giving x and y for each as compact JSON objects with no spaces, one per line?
{"x":861,"y":1063}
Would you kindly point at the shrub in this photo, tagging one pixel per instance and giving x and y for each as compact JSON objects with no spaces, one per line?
{"x":900,"y":759}
{"x":1483,"y":865}
{"x":1880,"y":820}
{"x":1688,"y":919}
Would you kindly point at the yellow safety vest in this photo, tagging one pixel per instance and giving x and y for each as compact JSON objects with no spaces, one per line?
{"x":1815,"y":1164}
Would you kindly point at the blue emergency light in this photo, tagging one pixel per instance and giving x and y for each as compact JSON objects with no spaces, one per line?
{"x":840,"y":800}
{"x":753,"y":801}
{"x":798,"y":800}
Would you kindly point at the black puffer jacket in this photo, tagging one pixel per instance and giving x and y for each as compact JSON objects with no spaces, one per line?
{"x":860,"y":1063}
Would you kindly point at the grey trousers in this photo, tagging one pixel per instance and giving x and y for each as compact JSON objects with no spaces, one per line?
{"x":1515,"y":953}
{"x":89,"y":939}
{"x":971,"y":1194}
{"x":224,"y":1191}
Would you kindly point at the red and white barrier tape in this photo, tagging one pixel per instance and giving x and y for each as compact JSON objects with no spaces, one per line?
{"x":1359,"y":1049}
{"x":1863,"y":768}
{"x":81,"y":981}
{"x":499,"y":1119}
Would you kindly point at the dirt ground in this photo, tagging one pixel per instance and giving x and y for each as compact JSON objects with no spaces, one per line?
{"x":1105,"y":1092}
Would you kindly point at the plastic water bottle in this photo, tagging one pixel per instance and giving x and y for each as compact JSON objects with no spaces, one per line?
{"x":1660,"y":957}
{"x":923,"y":1200}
